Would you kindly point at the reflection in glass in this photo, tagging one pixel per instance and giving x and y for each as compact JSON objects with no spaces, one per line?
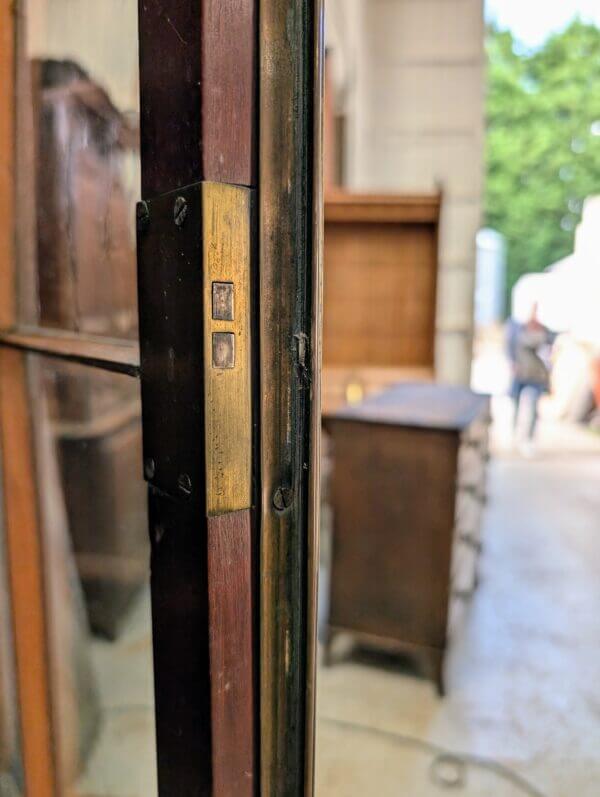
{"x":92,"y":508}
{"x":78,"y":124}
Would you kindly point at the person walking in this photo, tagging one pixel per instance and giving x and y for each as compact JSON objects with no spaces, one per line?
{"x":528,"y":346}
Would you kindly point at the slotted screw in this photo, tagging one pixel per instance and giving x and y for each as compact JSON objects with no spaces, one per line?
{"x":142,"y":215}
{"x":180,"y":210}
{"x":283,"y":498}
{"x":185,"y":484}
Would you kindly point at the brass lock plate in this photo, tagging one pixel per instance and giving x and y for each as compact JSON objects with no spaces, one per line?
{"x":226,"y":212}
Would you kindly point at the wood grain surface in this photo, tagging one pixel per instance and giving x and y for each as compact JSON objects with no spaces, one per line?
{"x":26,"y":577}
{"x":120,"y":356}
{"x":170,"y":93}
{"x":180,"y":629}
{"x":393,"y":580}
{"x":381,"y":266}
{"x":404,"y":535}
{"x":23,"y":538}
{"x":231,"y":653}
{"x":391,"y":208}
{"x":314,"y":464}
{"x":287,"y":273}
{"x":229,"y":114}
{"x":7,"y":158}
{"x":422,"y":405}
{"x":171,"y":153}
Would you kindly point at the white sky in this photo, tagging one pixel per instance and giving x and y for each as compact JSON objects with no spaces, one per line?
{"x":532,"y":21}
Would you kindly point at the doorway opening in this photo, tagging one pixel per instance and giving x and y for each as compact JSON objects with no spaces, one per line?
{"x":459,"y":563}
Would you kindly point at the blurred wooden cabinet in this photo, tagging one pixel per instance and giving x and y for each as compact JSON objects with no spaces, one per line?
{"x":407,"y":491}
{"x":380,"y":293}
{"x":96,"y":423}
{"x":86,"y":182}
{"x":85,"y":217}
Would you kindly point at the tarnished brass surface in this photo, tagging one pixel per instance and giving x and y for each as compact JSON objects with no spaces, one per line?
{"x":223,"y":350}
{"x":227,"y":256}
{"x":289,"y":276}
{"x":222,"y":301}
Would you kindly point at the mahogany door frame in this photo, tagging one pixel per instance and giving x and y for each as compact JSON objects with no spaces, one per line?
{"x":219,"y":114}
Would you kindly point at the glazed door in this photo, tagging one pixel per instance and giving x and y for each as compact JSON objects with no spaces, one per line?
{"x":159,"y":351}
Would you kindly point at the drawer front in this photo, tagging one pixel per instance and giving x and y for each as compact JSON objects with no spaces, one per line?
{"x":391,"y":553}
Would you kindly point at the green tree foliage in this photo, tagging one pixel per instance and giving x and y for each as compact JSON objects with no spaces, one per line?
{"x":543,"y":142}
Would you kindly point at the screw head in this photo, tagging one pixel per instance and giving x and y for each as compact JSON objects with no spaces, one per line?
{"x":180,"y":210}
{"x":185,"y":484}
{"x":142,"y":216}
{"x":283,"y":498}
{"x":159,"y":532}
{"x":149,"y":468}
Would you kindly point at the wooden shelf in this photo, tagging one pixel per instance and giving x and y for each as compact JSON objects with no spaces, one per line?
{"x":121,"y":356}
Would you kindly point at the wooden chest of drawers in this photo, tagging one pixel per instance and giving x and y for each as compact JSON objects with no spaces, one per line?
{"x":407,"y":492}
{"x":380,"y":273}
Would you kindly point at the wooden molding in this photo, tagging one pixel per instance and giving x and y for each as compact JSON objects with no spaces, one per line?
{"x":7,"y":163}
{"x":289,"y":271}
{"x":26,"y":576}
{"x":122,"y":356}
{"x":314,"y":491}
{"x":382,"y":208}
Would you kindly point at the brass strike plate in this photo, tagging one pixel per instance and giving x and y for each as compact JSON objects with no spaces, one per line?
{"x":222,"y":301}
{"x":226,"y":213}
{"x":223,"y":350}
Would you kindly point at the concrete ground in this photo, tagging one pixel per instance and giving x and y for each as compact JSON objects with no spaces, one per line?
{"x":122,"y":762}
{"x":522,"y":677}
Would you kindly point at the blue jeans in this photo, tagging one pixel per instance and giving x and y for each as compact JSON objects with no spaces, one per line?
{"x":536,"y":392}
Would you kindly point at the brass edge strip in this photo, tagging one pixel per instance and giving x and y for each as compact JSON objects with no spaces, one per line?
{"x":228,"y":413}
{"x":315,"y":418}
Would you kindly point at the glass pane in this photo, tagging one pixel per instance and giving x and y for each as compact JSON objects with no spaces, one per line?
{"x":92,"y":507}
{"x":78,"y":155}
{"x":11,"y":768}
